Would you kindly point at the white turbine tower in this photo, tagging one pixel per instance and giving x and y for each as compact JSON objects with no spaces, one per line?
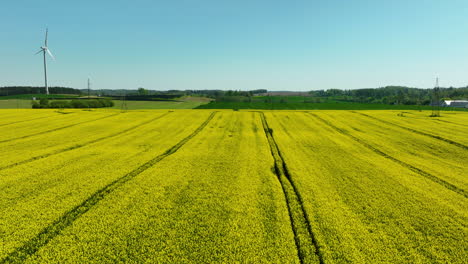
{"x":44,"y":49}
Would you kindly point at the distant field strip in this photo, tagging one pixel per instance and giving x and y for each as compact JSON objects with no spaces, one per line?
{"x":303,"y":233}
{"x":55,"y":129}
{"x":33,"y":245}
{"x":402,"y":163}
{"x":415,"y":131}
{"x":83,"y":144}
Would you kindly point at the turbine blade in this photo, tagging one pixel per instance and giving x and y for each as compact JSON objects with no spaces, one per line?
{"x":45,"y":42}
{"x":50,"y":53}
{"x":38,"y":52}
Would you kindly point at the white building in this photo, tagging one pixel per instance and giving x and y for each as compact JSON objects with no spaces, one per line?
{"x":455,"y":103}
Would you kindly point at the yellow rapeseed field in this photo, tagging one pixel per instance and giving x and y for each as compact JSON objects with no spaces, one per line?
{"x":223,"y":186}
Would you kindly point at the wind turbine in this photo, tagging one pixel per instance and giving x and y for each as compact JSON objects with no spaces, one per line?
{"x":44,"y":49}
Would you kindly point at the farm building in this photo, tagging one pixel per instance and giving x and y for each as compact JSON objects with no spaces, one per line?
{"x":455,"y":103}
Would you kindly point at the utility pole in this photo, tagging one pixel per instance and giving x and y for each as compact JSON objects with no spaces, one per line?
{"x":89,"y":85}
{"x":123,"y":107}
{"x":436,"y":100}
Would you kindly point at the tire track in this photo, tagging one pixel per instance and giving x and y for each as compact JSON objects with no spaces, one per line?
{"x":400,"y":162}
{"x":306,"y":243}
{"x":415,"y":131}
{"x":56,"y":129}
{"x":22,"y":121}
{"x":82,"y":144}
{"x":20,"y":254}
{"x":450,"y":122}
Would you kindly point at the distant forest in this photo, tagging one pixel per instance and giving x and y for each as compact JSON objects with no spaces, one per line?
{"x":397,"y":95}
{"x":392,"y":95}
{"x":16,"y":90}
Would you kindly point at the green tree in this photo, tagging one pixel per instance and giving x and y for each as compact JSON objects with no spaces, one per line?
{"x":142,"y":91}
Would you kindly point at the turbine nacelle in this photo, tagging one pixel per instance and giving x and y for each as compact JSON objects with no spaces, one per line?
{"x":46,"y":50}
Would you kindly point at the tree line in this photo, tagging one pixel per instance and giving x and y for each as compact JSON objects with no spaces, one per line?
{"x":76,"y":103}
{"x":16,"y":90}
{"x":392,"y":95}
{"x":400,"y":95}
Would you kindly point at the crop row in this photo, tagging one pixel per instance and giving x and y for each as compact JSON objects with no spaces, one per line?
{"x":234,"y":186}
{"x":429,"y":155}
{"x":48,"y":144}
{"x":414,"y":122}
{"x":306,"y":242}
{"x":34,"y":195}
{"x":38,"y":127}
{"x":10,"y":117}
{"x":365,"y":207}
{"x":378,"y":151}
{"x":214,"y":200}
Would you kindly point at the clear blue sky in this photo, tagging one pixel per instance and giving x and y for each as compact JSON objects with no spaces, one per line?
{"x":238,"y":44}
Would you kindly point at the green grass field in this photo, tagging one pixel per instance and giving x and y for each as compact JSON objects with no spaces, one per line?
{"x":15,"y":103}
{"x":182,"y":103}
{"x":23,"y":101}
{"x":274,"y":103}
{"x":315,"y":106}
{"x":306,"y":103}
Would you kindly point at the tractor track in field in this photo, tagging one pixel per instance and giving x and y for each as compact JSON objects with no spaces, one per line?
{"x":56,"y":129}
{"x":400,"y":162}
{"x":22,"y":121}
{"x":29,"y":248}
{"x":82,"y":144}
{"x":450,"y":122}
{"x":306,"y":242}
{"x":415,"y":131}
